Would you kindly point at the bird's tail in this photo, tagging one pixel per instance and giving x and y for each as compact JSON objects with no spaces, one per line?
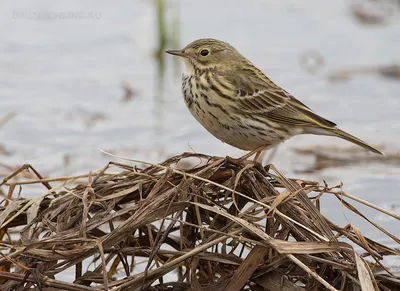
{"x":347,"y":136}
{"x":334,"y":131}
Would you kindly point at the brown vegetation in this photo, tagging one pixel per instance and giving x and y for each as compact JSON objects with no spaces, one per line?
{"x":221,"y":225}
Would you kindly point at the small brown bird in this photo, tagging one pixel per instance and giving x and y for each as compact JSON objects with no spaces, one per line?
{"x":241,"y":106}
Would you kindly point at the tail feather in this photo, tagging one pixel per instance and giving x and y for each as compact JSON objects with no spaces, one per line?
{"x":347,"y":136}
{"x":344,"y":135}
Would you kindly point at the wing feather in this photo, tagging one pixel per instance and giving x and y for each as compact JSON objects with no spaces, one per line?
{"x":258,"y":95}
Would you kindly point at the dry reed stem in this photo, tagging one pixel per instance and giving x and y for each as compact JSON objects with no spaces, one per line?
{"x":222,"y":225}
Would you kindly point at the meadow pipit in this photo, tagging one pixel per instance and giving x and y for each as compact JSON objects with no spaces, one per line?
{"x":241,"y":106}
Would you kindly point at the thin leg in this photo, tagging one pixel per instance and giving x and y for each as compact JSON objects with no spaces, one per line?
{"x":257,"y":156}
{"x":255,"y":151}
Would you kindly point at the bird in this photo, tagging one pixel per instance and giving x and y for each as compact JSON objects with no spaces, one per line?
{"x":238,"y":104}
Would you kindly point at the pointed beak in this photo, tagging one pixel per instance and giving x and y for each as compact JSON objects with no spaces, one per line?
{"x":178,"y":53}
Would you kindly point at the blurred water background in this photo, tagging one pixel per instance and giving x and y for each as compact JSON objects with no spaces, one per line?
{"x":83,"y":75}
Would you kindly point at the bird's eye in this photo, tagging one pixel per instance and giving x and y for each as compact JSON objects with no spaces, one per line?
{"x":204,"y":53}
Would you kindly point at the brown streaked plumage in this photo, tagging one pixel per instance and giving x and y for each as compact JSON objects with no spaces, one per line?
{"x":241,"y":106}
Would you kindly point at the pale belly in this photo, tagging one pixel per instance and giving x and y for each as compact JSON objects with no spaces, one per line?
{"x":236,"y":130}
{"x":232,"y":133}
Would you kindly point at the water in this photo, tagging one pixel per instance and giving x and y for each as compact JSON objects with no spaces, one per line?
{"x":63,"y":78}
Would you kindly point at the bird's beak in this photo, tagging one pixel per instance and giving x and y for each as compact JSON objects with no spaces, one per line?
{"x":178,"y":53}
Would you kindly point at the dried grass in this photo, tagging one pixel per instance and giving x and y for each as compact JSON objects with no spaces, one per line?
{"x":221,"y":225}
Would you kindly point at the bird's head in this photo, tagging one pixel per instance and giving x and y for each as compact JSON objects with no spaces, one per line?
{"x":209,"y":53}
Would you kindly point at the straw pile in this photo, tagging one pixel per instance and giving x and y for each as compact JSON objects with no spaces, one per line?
{"x":224,"y":224}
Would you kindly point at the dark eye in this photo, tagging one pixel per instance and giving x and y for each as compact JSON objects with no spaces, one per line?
{"x":204,"y":52}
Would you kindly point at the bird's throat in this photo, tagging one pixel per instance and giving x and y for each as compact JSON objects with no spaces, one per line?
{"x":189,"y":67}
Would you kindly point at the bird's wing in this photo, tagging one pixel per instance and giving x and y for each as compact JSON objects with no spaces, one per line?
{"x":260,"y":96}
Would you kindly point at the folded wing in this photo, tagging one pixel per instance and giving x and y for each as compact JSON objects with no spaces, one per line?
{"x":260,"y":96}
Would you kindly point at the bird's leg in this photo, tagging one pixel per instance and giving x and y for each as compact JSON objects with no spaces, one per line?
{"x":240,"y":160}
{"x":256,"y":151}
{"x":257,"y":156}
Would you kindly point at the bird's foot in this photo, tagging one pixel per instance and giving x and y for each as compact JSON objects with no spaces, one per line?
{"x":244,"y":160}
{"x":257,"y":151}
